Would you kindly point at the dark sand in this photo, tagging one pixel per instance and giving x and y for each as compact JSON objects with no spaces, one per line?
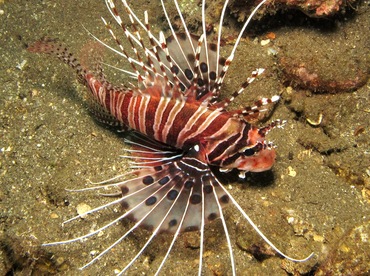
{"x":315,"y":199}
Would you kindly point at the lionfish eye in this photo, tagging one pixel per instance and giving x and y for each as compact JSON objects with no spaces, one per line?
{"x":249,"y":152}
{"x":256,"y":148}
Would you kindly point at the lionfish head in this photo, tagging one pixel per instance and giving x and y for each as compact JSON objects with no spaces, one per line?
{"x":260,"y":155}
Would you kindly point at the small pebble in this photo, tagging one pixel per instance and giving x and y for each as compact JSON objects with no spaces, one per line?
{"x":59,"y":261}
{"x":318,"y":238}
{"x":291,"y":172}
{"x":54,"y":216}
{"x":271,"y":51}
{"x":271,"y":35}
{"x":21,"y":65}
{"x":82,"y":208}
{"x":264,"y":42}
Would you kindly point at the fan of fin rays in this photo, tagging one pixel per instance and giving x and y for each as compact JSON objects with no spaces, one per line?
{"x":160,"y":196}
{"x":183,"y":60}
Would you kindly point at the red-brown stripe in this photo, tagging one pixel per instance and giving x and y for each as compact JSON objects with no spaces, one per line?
{"x":159,"y":115}
{"x":165,"y":119}
{"x":149,"y":116}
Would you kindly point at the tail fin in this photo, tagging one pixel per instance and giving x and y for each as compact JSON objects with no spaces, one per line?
{"x":50,"y":46}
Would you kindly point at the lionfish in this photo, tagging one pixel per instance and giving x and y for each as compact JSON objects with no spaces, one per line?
{"x":180,"y":130}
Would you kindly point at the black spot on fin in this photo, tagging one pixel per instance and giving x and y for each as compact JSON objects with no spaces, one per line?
{"x":183,"y":54}
{"x":169,"y":190}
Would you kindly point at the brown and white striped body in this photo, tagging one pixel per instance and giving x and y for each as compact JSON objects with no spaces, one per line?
{"x":174,"y":121}
{"x":179,"y":129}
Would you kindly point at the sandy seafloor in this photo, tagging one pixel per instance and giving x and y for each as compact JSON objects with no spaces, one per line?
{"x":315,"y":199}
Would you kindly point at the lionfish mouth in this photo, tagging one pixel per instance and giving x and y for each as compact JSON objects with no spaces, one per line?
{"x":180,"y":129}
